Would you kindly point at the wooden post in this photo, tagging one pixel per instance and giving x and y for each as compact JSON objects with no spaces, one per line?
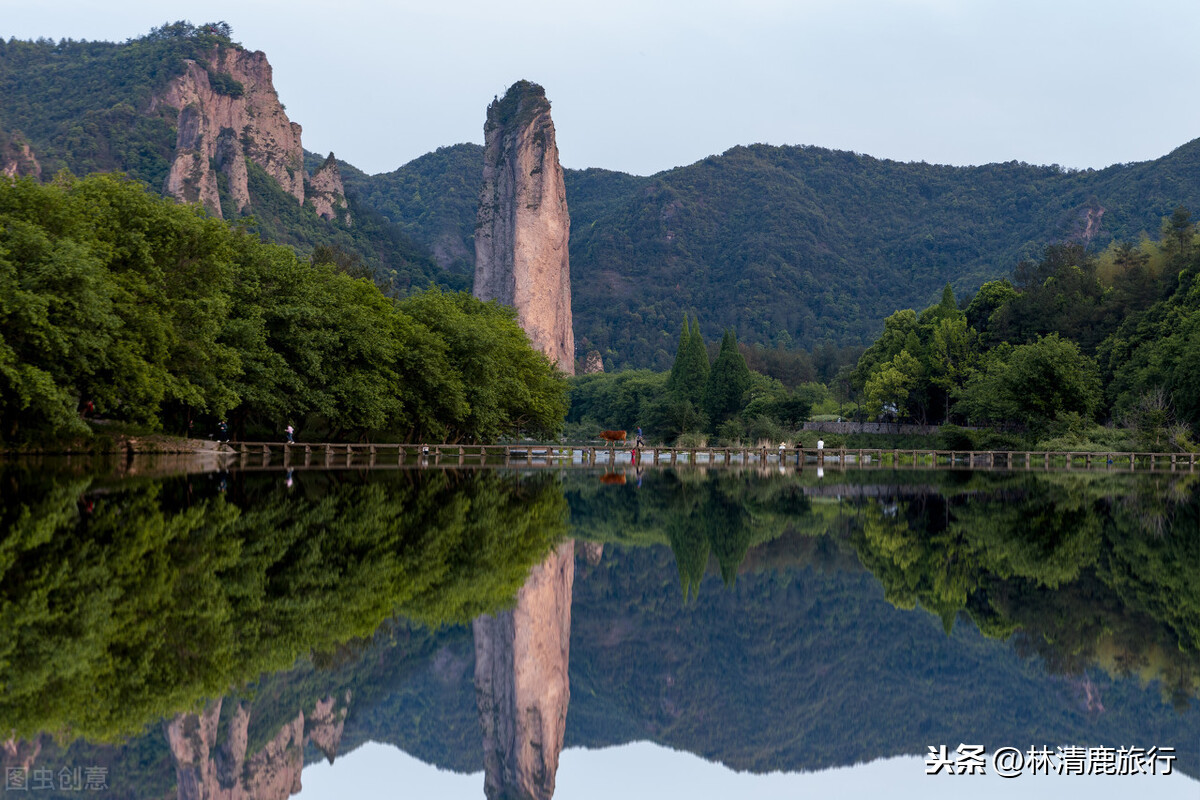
{"x":400,"y":456}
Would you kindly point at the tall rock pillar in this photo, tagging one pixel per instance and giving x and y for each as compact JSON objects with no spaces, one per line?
{"x":522,"y":230}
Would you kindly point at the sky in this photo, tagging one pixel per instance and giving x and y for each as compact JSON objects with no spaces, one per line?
{"x":643,"y":85}
{"x":642,"y":770}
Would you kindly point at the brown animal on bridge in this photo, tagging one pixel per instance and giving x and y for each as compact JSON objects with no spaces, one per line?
{"x":612,"y":437}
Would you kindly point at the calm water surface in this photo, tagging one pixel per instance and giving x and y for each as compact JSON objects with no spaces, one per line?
{"x":580,"y":634}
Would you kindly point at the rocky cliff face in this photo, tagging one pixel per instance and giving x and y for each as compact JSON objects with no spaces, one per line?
{"x":206,"y":770}
{"x":227,"y":111}
{"x":17,"y":159}
{"x":521,"y":686}
{"x":327,"y":193}
{"x":594,"y":363}
{"x":523,"y":225}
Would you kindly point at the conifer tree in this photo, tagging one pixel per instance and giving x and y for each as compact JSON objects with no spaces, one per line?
{"x":674,"y":379}
{"x":689,"y":373}
{"x":727,"y":383}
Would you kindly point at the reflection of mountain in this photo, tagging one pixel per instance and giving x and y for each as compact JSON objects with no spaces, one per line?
{"x":521,"y":663}
{"x":794,"y":668}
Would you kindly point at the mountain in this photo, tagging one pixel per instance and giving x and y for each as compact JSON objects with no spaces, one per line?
{"x":196,"y":116}
{"x":790,"y":245}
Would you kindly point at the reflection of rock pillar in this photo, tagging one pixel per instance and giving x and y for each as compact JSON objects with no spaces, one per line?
{"x":521,"y":682}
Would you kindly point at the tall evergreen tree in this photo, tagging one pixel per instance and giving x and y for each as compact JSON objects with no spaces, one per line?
{"x":727,"y":383}
{"x":689,"y":373}
{"x":674,"y":379}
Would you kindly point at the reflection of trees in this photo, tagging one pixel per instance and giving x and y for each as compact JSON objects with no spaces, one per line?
{"x":143,"y":600}
{"x":1068,"y":565}
{"x":723,"y":513}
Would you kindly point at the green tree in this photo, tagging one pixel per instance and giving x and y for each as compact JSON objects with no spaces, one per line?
{"x":893,"y":384}
{"x":689,"y":373}
{"x":1034,"y":384}
{"x":952,"y":354}
{"x":724,"y":394}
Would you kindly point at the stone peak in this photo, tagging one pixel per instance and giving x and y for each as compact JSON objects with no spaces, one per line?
{"x":523,"y":101}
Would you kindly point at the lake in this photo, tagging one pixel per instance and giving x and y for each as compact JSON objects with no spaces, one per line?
{"x":587,"y":633}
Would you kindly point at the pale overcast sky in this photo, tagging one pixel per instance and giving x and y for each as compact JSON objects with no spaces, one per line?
{"x":642,"y":86}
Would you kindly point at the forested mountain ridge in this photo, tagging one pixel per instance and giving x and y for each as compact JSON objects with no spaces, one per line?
{"x":790,"y":245}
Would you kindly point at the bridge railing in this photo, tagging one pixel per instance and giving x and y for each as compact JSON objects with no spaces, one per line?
{"x":342,"y":454}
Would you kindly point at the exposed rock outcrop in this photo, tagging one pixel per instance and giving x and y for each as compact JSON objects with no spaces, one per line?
{"x":593,"y":552}
{"x":21,"y":754}
{"x":325,"y":725}
{"x":594,"y":363}
{"x":17,"y":159}
{"x":523,"y":226}
{"x":228,"y":111}
{"x":521,"y":684}
{"x":327,"y":192}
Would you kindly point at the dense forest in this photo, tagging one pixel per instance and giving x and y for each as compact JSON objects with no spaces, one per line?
{"x":1079,"y":351}
{"x":725,"y":399}
{"x":1075,"y":340}
{"x":118,"y":304}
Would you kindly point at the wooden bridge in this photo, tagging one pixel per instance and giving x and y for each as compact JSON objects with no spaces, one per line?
{"x":330,"y":455}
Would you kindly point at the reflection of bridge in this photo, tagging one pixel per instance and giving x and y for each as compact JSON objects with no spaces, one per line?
{"x":327,"y":455}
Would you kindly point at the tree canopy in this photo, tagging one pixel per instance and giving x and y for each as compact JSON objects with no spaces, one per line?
{"x":155,"y":314}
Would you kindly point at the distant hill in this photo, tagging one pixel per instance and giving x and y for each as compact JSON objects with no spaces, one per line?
{"x":789,"y":245}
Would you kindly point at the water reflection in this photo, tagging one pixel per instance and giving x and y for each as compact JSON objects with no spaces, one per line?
{"x":521,"y":666}
{"x":762,"y":621}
